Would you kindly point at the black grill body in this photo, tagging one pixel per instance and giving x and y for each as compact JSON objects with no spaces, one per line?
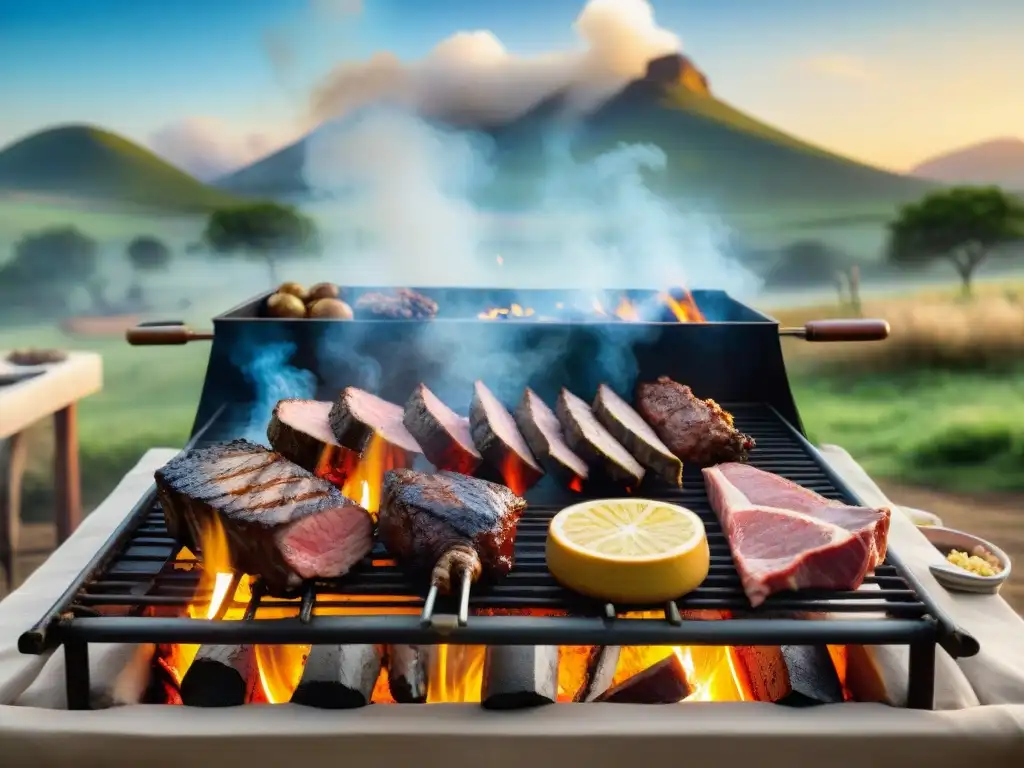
{"x":737,"y":360}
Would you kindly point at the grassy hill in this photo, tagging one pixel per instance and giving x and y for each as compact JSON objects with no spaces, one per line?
{"x":79,"y":161}
{"x":717,"y":155}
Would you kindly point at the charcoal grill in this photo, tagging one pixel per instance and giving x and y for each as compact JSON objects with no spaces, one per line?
{"x":129,"y":590}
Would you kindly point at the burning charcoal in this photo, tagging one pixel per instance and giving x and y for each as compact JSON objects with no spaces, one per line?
{"x":543,"y":435}
{"x":357,"y":416}
{"x":636,"y":436}
{"x":519,"y":676}
{"x":408,"y":671}
{"x":497,"y":438}
{"x":442,"y":434}
{"x":695,"y":430}
{"x":662,"y":683}
{"x":300,"y":430}
{"x":601,"y":664}
{"x":593,"y":444}
{"x":273,"y":512}
{"x":791,"y":675}
{"x":339,"y":676}
{"x":221,"y":676}
{"x":451,"y":523}
{"x":119,"y":675}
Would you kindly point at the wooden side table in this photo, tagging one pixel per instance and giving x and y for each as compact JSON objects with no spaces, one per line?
{"x":54,"y":391}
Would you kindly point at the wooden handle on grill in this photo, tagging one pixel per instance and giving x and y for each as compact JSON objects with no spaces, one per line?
{"x":841,"y":330}
{"x":159,"y":335}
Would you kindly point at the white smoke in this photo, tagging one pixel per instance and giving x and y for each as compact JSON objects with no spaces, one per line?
{"x":471,"y":75}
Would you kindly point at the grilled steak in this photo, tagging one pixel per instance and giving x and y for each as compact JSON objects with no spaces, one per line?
{"x":543,"y":434}
{"x":784,"y":537}
{"x":592,"y":442}
{"x":441,"y":433}
{"x":357,"y":416}
{"x":300,"y":430}
{"x":497,"y":438}
{"x":636,"y":436}
{"x":694,"y":430}
{"x":449,"y":524}
{"x":281,"y":522}
{"x":402,"y":304}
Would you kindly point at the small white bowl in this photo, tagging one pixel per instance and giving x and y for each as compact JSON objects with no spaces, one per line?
{"x":957,"y":579}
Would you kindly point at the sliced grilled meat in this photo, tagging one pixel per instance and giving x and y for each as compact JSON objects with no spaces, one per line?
{"x":442,"y":434}
{"x":300,"y":430}
{"x":281,"y":522}
{"x":357,"y":416}
{"x":695,"y":430}
{"x":592,"y":442}
{"x":449,"y":524}
{"x":543,"y":434}
{"x":636,"y":436}
{"x":497,"y":437}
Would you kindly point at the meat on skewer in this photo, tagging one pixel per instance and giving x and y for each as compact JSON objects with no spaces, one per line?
{"x":452,"y":525}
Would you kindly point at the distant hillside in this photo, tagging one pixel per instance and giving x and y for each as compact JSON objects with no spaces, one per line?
{"x":1000,"y":161}
{"x":715,"y":151}
{"x":82,"y":161}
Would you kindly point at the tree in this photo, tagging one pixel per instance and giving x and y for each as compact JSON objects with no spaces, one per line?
{"x":807,"y":262}
{"x":262,"y":230}
{"x":47,"y":265}
{"x":962,"y":225}
{"x":148,"y":254}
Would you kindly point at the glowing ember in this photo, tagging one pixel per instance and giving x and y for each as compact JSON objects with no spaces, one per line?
{"x":502,"y":313}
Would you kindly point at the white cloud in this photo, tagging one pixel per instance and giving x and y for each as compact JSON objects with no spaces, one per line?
{"x":840,"y":67}
{"x":208,"y":147}
{"x":471,"y":74}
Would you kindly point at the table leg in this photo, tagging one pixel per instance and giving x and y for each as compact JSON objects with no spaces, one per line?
{"x":67,"y":482}
{"x":12,"y":466}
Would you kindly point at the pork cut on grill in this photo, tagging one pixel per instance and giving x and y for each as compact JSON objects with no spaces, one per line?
{"x":499,"y":441}
{"x":543,"y":434}
{"x":281,"y":522}
{"x":593,"y":443}
{"x":636,"y":436}
{"x":449,"y":524}
{"x":695,"y":430}
{"x":785,"y":537}
{"x":300,"y":430}
{"x":443,"y":435}
{"x":356,"y":417}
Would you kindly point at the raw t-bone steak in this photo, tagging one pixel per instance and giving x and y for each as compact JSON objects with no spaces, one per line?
{"x":784,"y":537}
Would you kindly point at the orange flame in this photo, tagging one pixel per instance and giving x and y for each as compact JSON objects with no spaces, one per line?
{"x":684,"y":310}
{"x":364,"y":475}
{"x":500,"y":313}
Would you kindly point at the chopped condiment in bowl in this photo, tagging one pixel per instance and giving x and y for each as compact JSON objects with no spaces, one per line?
{"x":980,"y":561}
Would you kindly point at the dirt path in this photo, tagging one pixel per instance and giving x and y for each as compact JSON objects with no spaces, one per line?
{"x":996,"y":517}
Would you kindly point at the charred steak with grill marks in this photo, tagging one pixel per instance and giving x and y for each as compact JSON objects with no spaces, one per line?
{"x":281,"y":522}
{"x":449,"y":524}
{"x":695,"y":430}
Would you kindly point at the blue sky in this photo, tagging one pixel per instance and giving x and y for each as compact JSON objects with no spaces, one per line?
{"x":886,"y":81}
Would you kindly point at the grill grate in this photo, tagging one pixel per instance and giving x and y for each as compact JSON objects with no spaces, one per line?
{"x":136,"y":588}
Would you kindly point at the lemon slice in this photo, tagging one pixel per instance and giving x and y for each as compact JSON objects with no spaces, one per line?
{"x":628,"y":550}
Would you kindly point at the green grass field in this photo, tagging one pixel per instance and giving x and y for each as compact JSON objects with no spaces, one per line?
{"x":946,"y":427}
